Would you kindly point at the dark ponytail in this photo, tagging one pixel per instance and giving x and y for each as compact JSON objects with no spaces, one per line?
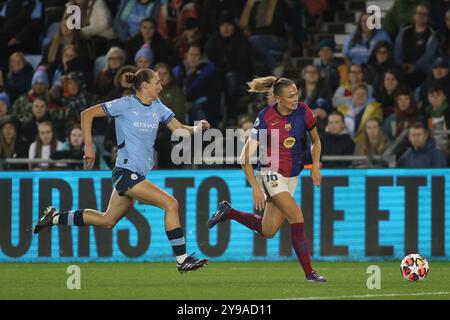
{"x":140,"y":76}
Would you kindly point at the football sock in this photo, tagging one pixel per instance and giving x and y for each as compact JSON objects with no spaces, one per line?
{"x":300,"y":244}
{"x":252,"y":221}
{"x":69,"y":218}
{"x":176,"y":238}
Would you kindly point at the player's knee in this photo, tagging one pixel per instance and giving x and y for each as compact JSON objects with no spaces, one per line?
{"x":109,"y":223}
{"x":268,"y":233}
{"x":172,"y":205}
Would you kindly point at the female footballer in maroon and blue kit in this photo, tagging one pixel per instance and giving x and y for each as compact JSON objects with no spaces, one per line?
{"x":286,"y":123}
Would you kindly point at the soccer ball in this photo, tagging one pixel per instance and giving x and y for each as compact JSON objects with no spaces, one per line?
{"x":414,"y":267}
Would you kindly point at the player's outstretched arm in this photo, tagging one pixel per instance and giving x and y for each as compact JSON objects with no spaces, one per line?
{"x":181,"y":130}
{"x":87,"y":116}
{"x":315,"y":152}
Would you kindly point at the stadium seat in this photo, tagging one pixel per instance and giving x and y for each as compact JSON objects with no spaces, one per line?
{"x":99,"y":65}
{"x":33,"y":59}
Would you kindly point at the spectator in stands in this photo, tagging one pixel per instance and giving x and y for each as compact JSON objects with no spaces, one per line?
{"x":230,"y":51}
{"x":40,"y":114}
{"x":52,"y":53}
{"x":72,"y":149}
{"x":171,"y":95}
{"x":423,"y":153}
{"x":12,"y":144}
{"x":77,"y":100}
{"x":336,"y":141}
{"x":191,"y":34}
{"x":245,"y":124}
{"x":199,"y":78}
{"x":131,"y":13}
{"x":263,"y":22}
{"x":39,"y":88}
{"x":410,"y":47}
{"x":442,"y":39}
{"x":373,"y":143}
{"x":314,"y":91}
{"x":401,"y":13}
{"x":343,"y":94}
{"x":361,"y":42}
{"x":144,"y":57}
{"x":18,"y":79}
{"x":358,"y":111}
{"x":439,"y":117}
{"x":440,"y":10}
{"x":381,"y":60}
{"x":21,"y":27}
{"x":104,"y":83}
{"x":211,"y":12}
{"x":5,"y":103}
{"x":96,"y":23}
{"x":172,"y":17}
{"x":440,"y":74}
{"x":333,"y":69}
{"x":44,"y":145}
{"x":163,"y":50}
{"x":121,"y":86}
{"x":404,"y":116}
{"x":385,"y":94}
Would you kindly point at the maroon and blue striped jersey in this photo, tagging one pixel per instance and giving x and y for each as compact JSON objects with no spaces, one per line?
{"x":283,"y":157}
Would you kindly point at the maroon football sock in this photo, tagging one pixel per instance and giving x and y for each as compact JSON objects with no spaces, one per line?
{"x":300,"y":244}
{"x":250,"y":220}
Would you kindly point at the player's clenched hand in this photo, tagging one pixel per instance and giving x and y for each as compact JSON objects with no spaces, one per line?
{"x":316,"y":176}
{"x":259,"y":200}
{"x":89,"y":156}
{"x":204,"y":124}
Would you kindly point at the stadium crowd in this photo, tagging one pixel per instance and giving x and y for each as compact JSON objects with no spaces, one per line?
{"x":365,"y":95}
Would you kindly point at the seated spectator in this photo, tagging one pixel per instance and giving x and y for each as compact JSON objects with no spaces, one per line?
{"x":144,"y":57}
{"x":263,"y":22}
{"x":315,"y":93}
{"x":199,"y":79}
{"x":121,"y":86}
{"x":171,"y":95}
{"x":12,"y":144}
{"x":18,"y":79}
{"x":440,"y":74}
{"x":333,"y":69}
{"x":343,"y":94}
{"x":229,"y":50}
{"x":401,"y":13}
{"x":39,"y":89}
{"x":440,"y":45}
{"x":77,"y":100}
{"x":21,"y":27}
{"x":404,"y":116}
{"x":423,"y":153}
{"x":96,"y":23}
{"x":40,"y":114}
{"x":211,"y":12}
{"x":439,"y":117}
{"x":163,"y":50}
{"x":44,"y":145}
{"x":373,"y":143}
{"x":386,"y":92}
{"x":5,"y":103}
{"x":73,"y":149}
{"x":358,"y":111}
{"x":336,"y":141}
{"x":52,"y":53}
{"x":172,"y":17}
{"x":381,"y":60}
{"x":191,"y":34}
{"x":361,"y":42}
{"x":245,"y":125}
{"x":130,"y":14}
{"x":410,"y":47}
{"x":104,"y":83}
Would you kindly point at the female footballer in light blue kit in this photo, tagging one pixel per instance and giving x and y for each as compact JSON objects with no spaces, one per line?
{"x":136,"y":119}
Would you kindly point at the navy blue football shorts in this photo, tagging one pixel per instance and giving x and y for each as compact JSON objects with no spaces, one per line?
{"x":124,"y":179}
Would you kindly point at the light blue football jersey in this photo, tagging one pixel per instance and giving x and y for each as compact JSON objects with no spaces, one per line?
{"x":136,"y":128}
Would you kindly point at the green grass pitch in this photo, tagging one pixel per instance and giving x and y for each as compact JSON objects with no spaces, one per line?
{"x":218,"y":280}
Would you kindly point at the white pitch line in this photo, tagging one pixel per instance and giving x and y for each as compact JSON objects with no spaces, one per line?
{"x":371,"y":296}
